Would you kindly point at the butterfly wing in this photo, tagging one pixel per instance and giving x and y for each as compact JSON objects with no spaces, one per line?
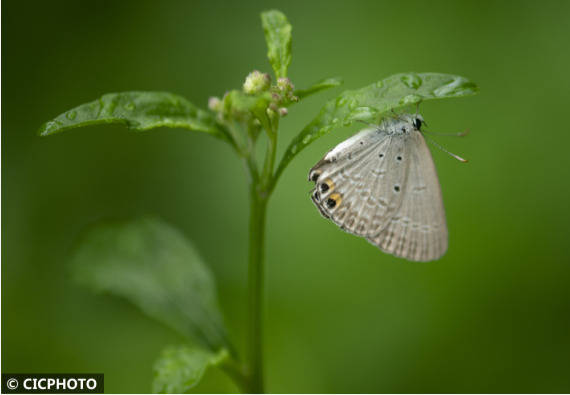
{"x":359,"y":183}
{"x":418,"y":230}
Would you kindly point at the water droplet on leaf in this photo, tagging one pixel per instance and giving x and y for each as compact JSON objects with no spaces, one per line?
{"x":411,"y":80}
{"x":410,"y":99}
{"x":455,"y":87}
{"x":71,"y":115}
{"x":361,"y":113}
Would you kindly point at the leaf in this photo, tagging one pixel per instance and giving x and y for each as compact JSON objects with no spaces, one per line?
{"x":327,"y":83}
{"x":371,"y":102}
{"x":278,"y":37}
{"x":138,"y":111}
{"x":179,"y":369}
{"x":153,"y":266}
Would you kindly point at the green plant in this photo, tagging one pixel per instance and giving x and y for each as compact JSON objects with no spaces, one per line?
{"x":151,"y":264}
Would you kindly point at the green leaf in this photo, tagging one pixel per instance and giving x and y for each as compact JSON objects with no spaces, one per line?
{"x":278,"y":37}
{"x":138,"y":111}
{"x":179,"y":369}
{"x":327,"y":83}
{"x":157,"y":269}
{"x":371,"y":102}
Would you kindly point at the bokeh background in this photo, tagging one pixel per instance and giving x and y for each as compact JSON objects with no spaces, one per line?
{"x":493,"y":315}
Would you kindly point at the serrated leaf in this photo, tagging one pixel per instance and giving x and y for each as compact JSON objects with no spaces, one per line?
{"x":156,"y":268}
{"x":327,"y":83}
{"x":278,"y":37}
{"x":138,"y":111}
{"x":371,"y":102}
{"x":179,"y":369}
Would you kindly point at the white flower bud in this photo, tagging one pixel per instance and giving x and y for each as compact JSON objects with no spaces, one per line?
{"x":214,"y":104}
{"x":256,"y":82}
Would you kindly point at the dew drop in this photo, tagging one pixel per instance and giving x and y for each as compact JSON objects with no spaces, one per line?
{"x":341,"y":101}
{"x":352,"y":104}
{"x":307,"y":139}
{"x":50,"y":127}
{"x":294,"y":149}
{"x":71,"y":115}
{"x":455,"y":87}
{"x":130,"y":106}
{"x":411,"y":80}
{"x":361,"y":113}
{"x":410,"y":99}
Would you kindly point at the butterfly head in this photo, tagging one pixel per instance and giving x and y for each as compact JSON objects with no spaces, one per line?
{"x":415,"y":120}
{"x":404,"y":124}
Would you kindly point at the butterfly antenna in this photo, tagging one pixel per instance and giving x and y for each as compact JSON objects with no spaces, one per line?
{"x":459,"y":158}
{"x":460,"y":134}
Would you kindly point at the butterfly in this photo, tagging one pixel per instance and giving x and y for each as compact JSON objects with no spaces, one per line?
{"x":381,"y":184}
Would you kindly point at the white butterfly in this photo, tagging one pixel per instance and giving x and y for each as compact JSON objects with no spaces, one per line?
{"x":381,"y":184}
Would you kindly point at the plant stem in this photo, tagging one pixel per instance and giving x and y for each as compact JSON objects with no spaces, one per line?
{"x":258,"y":208}
{"x":259,"y":195}
{"x":267,"y":175}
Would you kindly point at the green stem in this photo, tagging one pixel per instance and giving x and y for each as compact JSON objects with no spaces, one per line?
{"x":269,"y":164}
{"x":258,"y":208}
{"x":259,"y":196}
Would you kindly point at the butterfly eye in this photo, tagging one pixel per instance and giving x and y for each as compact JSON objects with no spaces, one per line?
{"x":417,"y":123}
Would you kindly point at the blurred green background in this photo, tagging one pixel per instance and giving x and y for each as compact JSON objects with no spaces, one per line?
{"x":492,"y":316}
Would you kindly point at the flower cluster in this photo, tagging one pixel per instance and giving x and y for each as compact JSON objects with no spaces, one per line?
{"x":257,"y":94}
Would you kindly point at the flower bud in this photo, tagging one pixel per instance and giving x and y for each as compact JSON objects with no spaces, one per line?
{"x":283,"y":111}
{"x":285,"y":85}
{"x":256,"y":82}
{"x":215,"y":104}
